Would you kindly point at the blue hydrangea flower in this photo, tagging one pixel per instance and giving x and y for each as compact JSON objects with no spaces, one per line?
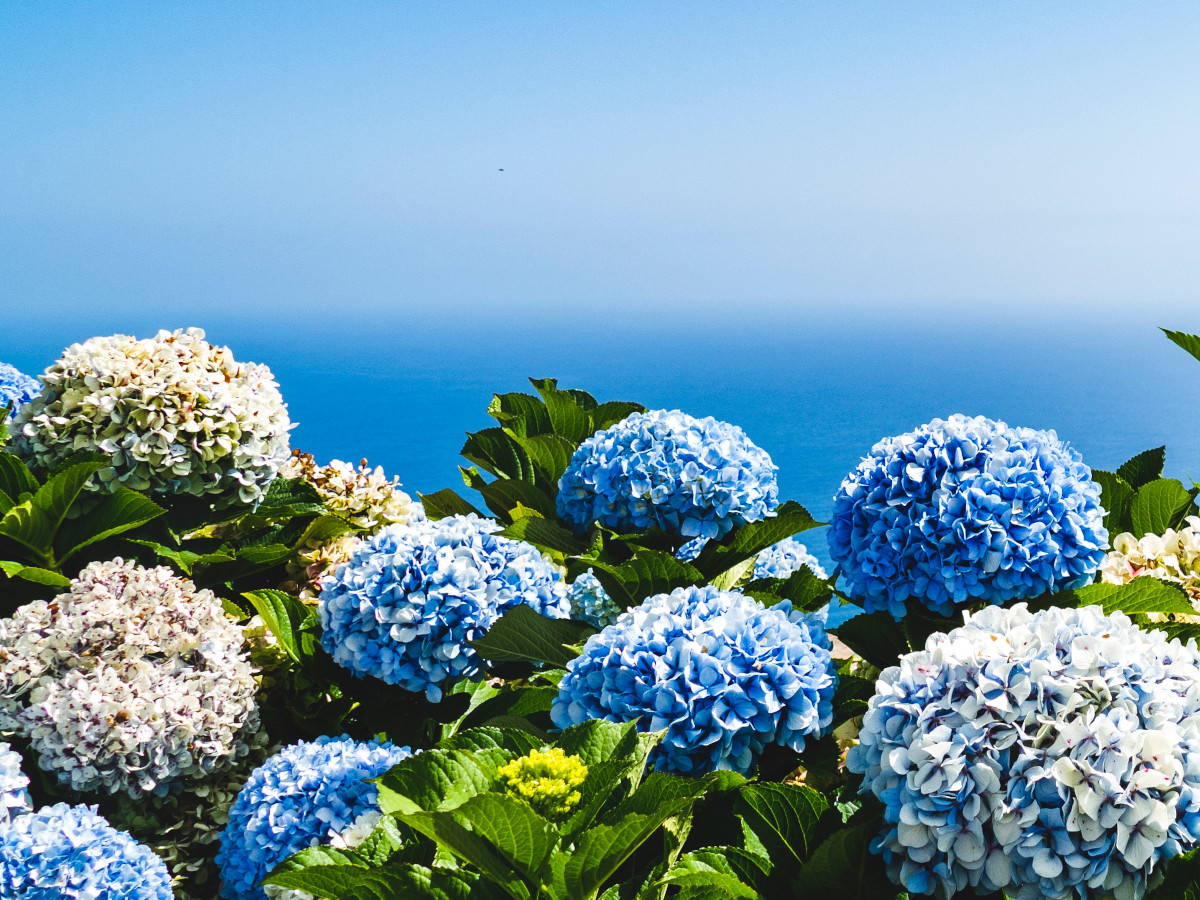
{"x":304,"y":795}
{"x":16,"y":387}
{"x":409,"y":599}
{"x":66,"y":852}
{"x":782,"y":559}
{"x":591,"y":603}
{"x":14,"y":785}
{"x":724,"y":675}
{"x":664,"y":469}
{"x":963,"y":510}
{"x":1052,"y":754}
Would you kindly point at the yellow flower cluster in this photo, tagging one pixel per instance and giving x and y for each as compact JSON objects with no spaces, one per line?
{"x":548,"y":780}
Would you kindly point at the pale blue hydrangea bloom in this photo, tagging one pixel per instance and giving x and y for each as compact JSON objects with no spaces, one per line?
{"x":777,"y":561}
{"x":306,"y":794}
{"x":14,"y":785}
{"x":410,"y":598}
{"x":1053,"y":754}
{"x":16,"y":387}
{"x":66,"y":852}
{"x":665,"y":469}
{"x":591,"y":603}
{"x":724,"y":675}
{"x":963,"y":510}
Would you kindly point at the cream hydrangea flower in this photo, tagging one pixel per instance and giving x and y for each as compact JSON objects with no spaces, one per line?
{"x":175,"y":414}
{"x":1172,"y":556}
{"x":130,"y":681}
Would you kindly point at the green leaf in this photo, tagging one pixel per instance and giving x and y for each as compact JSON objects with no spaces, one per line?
{"x":568,"y":410}
{"x":876,"y":637}
{"x":1182,"y":881}
{"x":513,"y":829}
{"x":183,"y":559}
{"x":523,"y":413}
{"x":439,"y":779}
{"x":452,"y":835}
{"x":1145,"y":594}
{"x":35,"y":575}
{"x":35,"y":522}
{"x":544,"y":534}
{"x":1189,"y":342}
{"x":115,"y":513}
{"x":596,"y":740}
{"x":1159,"y":505}
{"x":851,"y":697}
{"x":647,"y":573}
{"x":503,"y":495}
{"x":499,"y":454}
{"x":709,"y":868}
{"x":286,"y":617}
{"x":445,"y":502}
{"x":550,"y":454}
{"x":843,"y":866}
{"x":484,"y":740}
{"x":613,"y":411}
{"x":1116,"y":496}
{"x":803,"y":588}
{"x":322,"y":529}
{"x":783,"y":816}
{"x":15,"y":478}
{"x":328,"y":881}
{"x":523,"y":635}
{"x":749,"y":540}
{"x":728,"y":579}
{"x":1143,"y":468}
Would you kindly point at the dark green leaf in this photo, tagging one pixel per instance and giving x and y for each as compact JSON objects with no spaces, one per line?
{"x":803,"y":588}
{"x":784,"y":817}
{"x":439,"y":779}
{"x":842,"y":866}
{"x":1182,"y":881}
{"x":550,"y":453}
{"x":35,"y":522}
{"x":649,"y":572}
{"x":182,"y":559}
{"x":115,"y":513}
{"x":851,"y":697}
{"x":328,"y":881}
{"x":1144,"y":594}
{"x":1159,"y":505}
{"x":511,"y":827}
{"x":876,"y":637}
{"x":613,"y":411}
{"x":496,"y":452}
{"x":1143,"y":468}
{"x":453,"y":836}
{"x":1189,"y":342}
{"x":1116,"y":496}
{"x":545,"y":534}
{"x":709,"y":868}
{"x":479,"y":740}
{"x":503,"y":495}
{"x":525,"y":414}
{"x":523,"y":635}
{"x":445,"y":502}
{"x":596,"y":740}
{"x":749,"y":540}
{"x":15,"y":478}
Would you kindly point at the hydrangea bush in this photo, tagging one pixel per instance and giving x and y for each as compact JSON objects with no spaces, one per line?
{"x":309,"y":793}
{"x":66,"y":852}
{"x":175,"y":414}
{"x":130,"y":681}
{"x":405,"y":605}
{"x":16,"y":387}
{"x":724,"y":675}
{"x":665,"y":469}
{"x":1053,"y":754}
{"x":966,"y":509}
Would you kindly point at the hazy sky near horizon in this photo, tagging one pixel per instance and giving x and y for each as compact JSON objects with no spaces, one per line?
{"x":238,"y":157}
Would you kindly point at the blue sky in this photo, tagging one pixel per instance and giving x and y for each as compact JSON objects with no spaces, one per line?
{"x":264,"y":159}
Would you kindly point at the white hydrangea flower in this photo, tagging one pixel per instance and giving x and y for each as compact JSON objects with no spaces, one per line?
{"x":175,"y":414}
{"x":129,"y":682}
{"x":1172,"y":556}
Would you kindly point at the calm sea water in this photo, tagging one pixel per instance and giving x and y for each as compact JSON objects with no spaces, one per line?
{"x":813,"y":391}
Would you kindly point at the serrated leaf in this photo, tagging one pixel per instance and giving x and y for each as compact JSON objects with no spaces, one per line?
{"x":647,"y":573}
{"x":446,"y":502}
{"x":550,"y":454}
{"x":503,"y":495}
{"x":803,"y":588}
{"x":1143,"y":468}
{"x":35,"y":575}
{"x":322,"y":529}
{"x":851,"y":697}
{"x":79,"y":458}
{"x":843,"y":866}
{"x":524,"y":635}
{"x":1116,"y":496}
{"x":748,"y":540}
{"x":524,"y":413}
{"x":439,"y":779}
{"x":15,"y":478}
{"x":613,"y":411}
{"x":657,"y":789}
{"x":499,"y":454}
{"x":1159,"y":505}
{"x":783,"y":816}
{"x":183,"y":559}
{"x":876,"y":637}
{"x":1145,"y":594}
{"x":115,"y":513}
{"x":513,"y":829}
{"x":327,"y":881}
{"x":1189,"y":342}
{"x":453,"y":836}
{"x":601,"y":785}
{"x":286,"y":617}
{"x":727,"y":580}
{"x":596,"y":740}
{"x":545,"y":534}
{"x":34,"y":523}
{"x":478,"y":740}
{"x":709,"y":868}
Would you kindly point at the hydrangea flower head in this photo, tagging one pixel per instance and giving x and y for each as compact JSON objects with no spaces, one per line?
{"x":14,"y":785}
{"x":548,"y":780}
{"x":782,"y":559}
{"x":724,"y":675}
{"x":16,"y":387}
{"x":963,"y":510}
{"x":665,"y":469}
{"x":128,"y":682}
{"x":66,"y":852}
{"x":1172,"y":556}
{"x":175,"y":414}
{"x":591,"y":603}
{"x":409,"y":599}
{"x":306,"y":794}
{"x":1052,"y":754}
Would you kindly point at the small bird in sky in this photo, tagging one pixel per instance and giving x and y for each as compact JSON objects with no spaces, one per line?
{"x":499,"y":170}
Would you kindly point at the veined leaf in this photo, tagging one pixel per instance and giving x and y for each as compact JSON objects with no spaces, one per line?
{"x":843,"y":866}
{"x":1182,"y":881}
{"x":1145,"y":594}
{"x":496,"y":452}
{"x":445,"y":502}
{"x":550,"y":454}
{"x":709,"y":868}
{"x":183,"y":559}
{"x":439,"y":779}
{"x":728,"y":579}
{"x":1189,"y":342}
{"x":803,"y":588}
{"x":524,"y":635}
{"x":525,"y":414}
{"x":34,"y":523}
{"x":286,"y":617}
{"x":15,"y":478}
{"x":323,"y":528}
{"x":477,"y":740}
{"x":783,"y":816}
{"x":596,"y":740}
{"x":115,"y":513}
{"x":1116,"y":496}
{"x":876,"y":637}
{"x":545,"y":533}
{"x":750,"y":539}
{"x":502,"y":495}
{"x":647,"y":573}
{"x":1143,"y":468}
{"x":613,"y":411}
{"x":1159,"y":505}
{"x":453,"y":836}
{"x":513,"y":829}
{"x":851,"y":698}
{"x":35,"y":575}
{"x":331,"y":882}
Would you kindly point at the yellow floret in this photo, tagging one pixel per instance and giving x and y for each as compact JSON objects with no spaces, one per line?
{"x":545,"y":779}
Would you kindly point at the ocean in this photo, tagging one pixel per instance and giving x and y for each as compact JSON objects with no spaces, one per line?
{"x":814,"y":391}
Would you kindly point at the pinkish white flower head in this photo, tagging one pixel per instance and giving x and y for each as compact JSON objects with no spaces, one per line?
{"x":1172,"y":556}
{"x":175,"y":414}
{"x":130,"y":681}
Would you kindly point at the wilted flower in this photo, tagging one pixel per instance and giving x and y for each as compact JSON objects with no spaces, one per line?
{"x":305,"y":795}
{"x":130,"y":681}
{"x":665,"y":469}
{"x":405,"y":605}
{"x":966,"y":509}
{"x":16,"y":387}
{"x":14,"y":785}
{"x":1052,"y":754}
{"x":1172,"y":556}
{"x":66,"y":852}
{"x":548,"y":780}
{"x":724,"y":675}
{"x":175,"y":414}
{"x":591,"y":603}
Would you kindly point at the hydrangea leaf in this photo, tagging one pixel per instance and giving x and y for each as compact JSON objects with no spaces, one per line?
{"x":524,"y":635}
{"x":118,"y":512}
{"x":439,"y":779}
{"x":1159,"y":505}
{"x":657,"y":789}
{"x":545,"y":535}
{"x":510,"y":740}
{"x":35,"y":575}
{"x":569,"y":418}
{"x":498,"y":454}
{"x":709,"y":868}
{"x":784,"y":817}
{"x":330,"y":881}
{"x":1189,"y":342}
{"x":728,"y":579}
{"x":602,"y":784}
{"x":851,"y":697}
{"x":876,"y":637}
{"x":1116,"y":496}
{"x":182,"y":559}
{"x":524,"y":414}
{"x":550,"y":453}
{"x":34,"y":523}
{"x":843,"y":866}
{"x":503,"y":494}
{"x":322,"y":529}
{"x":747,"y":541}
{"x":444,"y":503}
{"x":1143,"y":468}
{"x":803,"y":588}
{"x":15,"y":478}
{"x":647,"y":573}
{"x":596,"y":740}
{"x":1182,"y":881}
{"x":510,"y":825}
{"x":419,"y":882}
{"x":452,"y":835}
{"x":286,"y":617}
{"x":613,"y":411}
{"x":1145,"y":594}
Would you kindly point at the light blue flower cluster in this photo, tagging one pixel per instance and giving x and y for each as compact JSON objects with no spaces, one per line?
{"x":409,"y":599}
{"x":591,"y":603}
{"x":777,"y":561}
{"x":16,"y":387}
{"x":665,"y":469}
{"x":66,"y":852}
{"x":14,"y":785}
{"x":1052,"y":754}
{"x":724,"y":675}
{"x":306,"y":794}
{"x":963,"y":510}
